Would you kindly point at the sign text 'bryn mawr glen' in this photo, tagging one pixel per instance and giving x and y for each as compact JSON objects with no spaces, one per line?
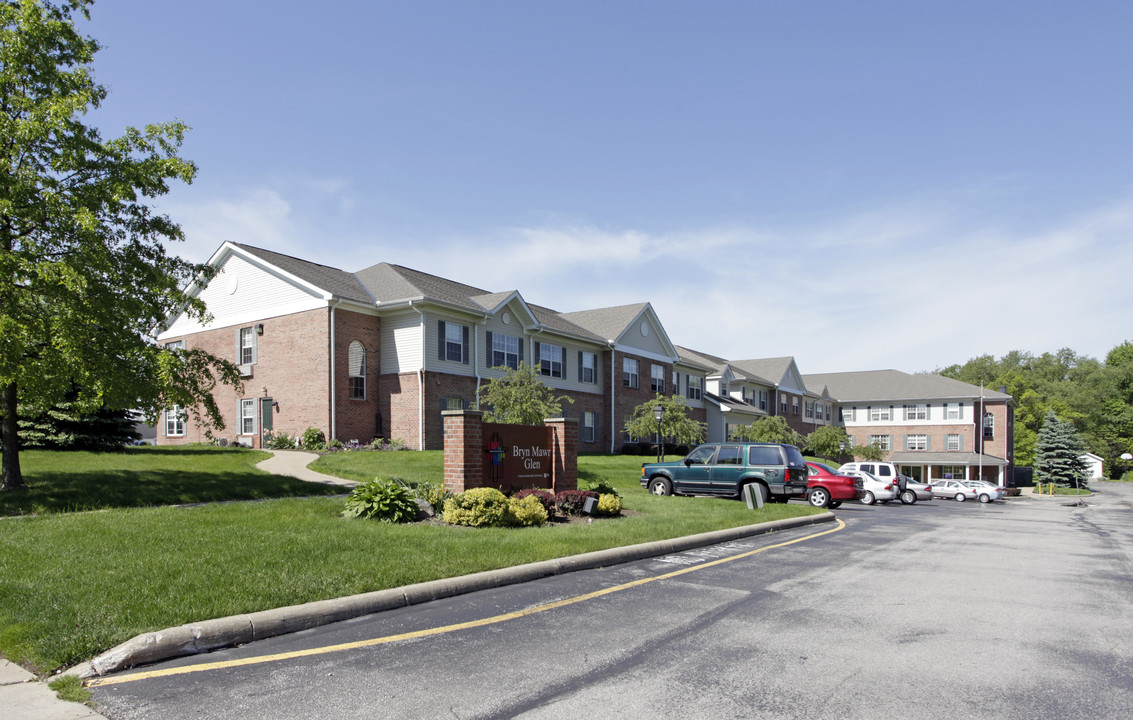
{"x":530,"y":455}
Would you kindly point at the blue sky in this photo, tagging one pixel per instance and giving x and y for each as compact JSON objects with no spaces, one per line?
{"x":860,"y":185}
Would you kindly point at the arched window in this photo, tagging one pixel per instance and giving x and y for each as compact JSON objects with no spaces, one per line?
{"x":357,"y":362}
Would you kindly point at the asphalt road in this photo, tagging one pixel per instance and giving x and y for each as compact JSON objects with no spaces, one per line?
{"x":937,"y":610}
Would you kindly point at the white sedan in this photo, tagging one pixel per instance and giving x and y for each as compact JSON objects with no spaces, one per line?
{"x":873,"y":489}
{"x":953,"y":489}
{"x":985,"y":491}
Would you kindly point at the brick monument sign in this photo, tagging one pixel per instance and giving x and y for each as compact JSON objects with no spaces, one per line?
{"x":509,"y":457}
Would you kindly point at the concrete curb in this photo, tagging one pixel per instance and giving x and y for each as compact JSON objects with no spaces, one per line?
{"x":210,"y":635}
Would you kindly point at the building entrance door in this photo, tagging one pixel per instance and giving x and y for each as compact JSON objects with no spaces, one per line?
{"x":266,"y":419}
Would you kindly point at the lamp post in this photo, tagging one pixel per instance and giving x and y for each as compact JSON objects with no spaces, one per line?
{"x":841,"y":450}
{"x":658,"y":415}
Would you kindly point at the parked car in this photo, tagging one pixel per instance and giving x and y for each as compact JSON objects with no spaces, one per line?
{"x":778,"y":472}
{"x":953,"y":489}
{"x":826,"y":487}
{"x":916,"y":489}
{"x":873,"y":489}
{"x":985,"y":491}
{"x":886,"y":471}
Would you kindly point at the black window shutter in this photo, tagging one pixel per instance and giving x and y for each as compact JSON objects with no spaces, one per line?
{"x":464,"y":349}
{"x":580,"y":366}
{"x":441,"y":340}
{"x":535,"y":356}
{"x":488,"y":342}
{"x":521,"y":349}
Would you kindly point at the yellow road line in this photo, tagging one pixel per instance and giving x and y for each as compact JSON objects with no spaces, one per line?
{"x":97,"y":682}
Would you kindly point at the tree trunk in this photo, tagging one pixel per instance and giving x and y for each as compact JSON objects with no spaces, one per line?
{"x":10,"y":477}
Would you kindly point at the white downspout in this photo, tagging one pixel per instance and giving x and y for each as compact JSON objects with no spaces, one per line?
{"x":613,"y":404}
{"x":333,"y":411}
{"x":421,"y":383}
{"x":476,"y":358}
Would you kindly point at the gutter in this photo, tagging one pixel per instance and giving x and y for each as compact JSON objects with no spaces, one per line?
{"x":613,"y":352}
{"x":420,"y":382}
{"x":333,"y":411}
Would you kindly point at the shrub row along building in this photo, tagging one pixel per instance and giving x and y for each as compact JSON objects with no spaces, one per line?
{"x":383,"y":351}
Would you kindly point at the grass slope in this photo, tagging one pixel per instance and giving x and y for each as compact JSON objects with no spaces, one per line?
{"x":74,"y":584}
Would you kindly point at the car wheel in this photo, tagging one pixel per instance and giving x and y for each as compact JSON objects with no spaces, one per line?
{"x":908,"y":497}
{"x":818,"y":497}
{"x":961,"y":497}
{"x":660,"y":486}
{"x":868,"y":498}
{"x":833,"y":504}
{"x":985,"y":498}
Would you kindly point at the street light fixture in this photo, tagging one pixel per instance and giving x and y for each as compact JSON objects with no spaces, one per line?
{"x":658,"y":415}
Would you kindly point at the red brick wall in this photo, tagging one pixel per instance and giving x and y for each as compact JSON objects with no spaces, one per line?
{"x":292,"y":357}
{"x":936,"y":435}
{"x":398,"y":403}
{"x":625,"y":398}
{"x":356,"y":419}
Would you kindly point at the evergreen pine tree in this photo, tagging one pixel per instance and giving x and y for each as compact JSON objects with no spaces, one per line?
{"x":1058,"y":454}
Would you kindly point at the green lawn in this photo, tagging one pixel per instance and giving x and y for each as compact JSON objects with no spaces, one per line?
{"x":145,"y":476}
{"x":74,"y":584}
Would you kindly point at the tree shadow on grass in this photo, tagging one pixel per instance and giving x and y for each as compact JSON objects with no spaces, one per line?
{"x":59,"y":492}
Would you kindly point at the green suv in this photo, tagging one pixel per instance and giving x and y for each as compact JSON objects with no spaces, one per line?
{"x":778,"y":471}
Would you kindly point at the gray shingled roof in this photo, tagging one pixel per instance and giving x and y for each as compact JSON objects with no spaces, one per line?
{"x":734,"y":405}
{"x":719,"y":364}
{"x":335,"y":281}
{"x":772,"y":368}
{"x":390,"y":283}
{"x":895,"y":385}
{"x":608,"y":323}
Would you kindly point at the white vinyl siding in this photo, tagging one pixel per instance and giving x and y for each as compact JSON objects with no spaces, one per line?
{"x":256,"y":289}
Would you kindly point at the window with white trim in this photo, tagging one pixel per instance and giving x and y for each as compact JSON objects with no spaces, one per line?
{"x":881,"y":442}
{"x":763,"y":396}
{"x":695,"y":391}
{"x":808,"y":409}
{"x":505,"y":351}
{"x":676,"y":383}
{"x":794,"y":405}
{"x":989,"y":425}
{"x":455,"y":342}
{"x":248,"y":416}
{"x":916,"y":412}
{"x":356,"y":361}
{"x":174,"y":421}
{"x":657,"y":374}
{"x":629,"y":372}
{"x":916,"y":442}
{"x":953,"y":472}
{"x":551,"y":360}
{"x":847,"y":414}
{"x":589,"y":426}
{"x":247,"y":346}
{"x":588,"y":367}
{"x":877,"y":414}
{"x":953,"y":441}
{"x":625,"y":428}
{"x":953,"y":411}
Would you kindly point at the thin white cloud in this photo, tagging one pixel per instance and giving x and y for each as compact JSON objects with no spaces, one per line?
{"x":912,"y":286}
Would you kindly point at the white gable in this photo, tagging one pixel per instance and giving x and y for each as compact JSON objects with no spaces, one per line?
{"x":645,"y":336}
{"x":243,"y":291}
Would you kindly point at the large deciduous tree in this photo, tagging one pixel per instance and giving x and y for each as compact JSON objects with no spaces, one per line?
{"x":769,"y":429}
{"x":84,"y":273}
{"x":828,"y":441}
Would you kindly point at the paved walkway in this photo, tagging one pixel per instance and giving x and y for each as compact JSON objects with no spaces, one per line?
{"x":294,"y":464}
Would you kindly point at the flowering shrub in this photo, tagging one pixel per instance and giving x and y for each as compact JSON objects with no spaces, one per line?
{"x":314,"y":439}
{"x":381,"y":499}
{"x":279,"y":440}
{"x":478,"y":507}
{"x":570,"y":502}
{"x":526,"y":512}
{"x":383,"y":444}
{"x":609,"y":504}
{"x":546,"y":498}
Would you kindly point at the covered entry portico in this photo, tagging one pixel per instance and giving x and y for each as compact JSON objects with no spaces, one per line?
{"x":930,"y":466}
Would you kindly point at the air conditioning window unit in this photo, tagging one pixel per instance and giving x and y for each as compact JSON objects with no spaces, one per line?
{"x":246,"y":370}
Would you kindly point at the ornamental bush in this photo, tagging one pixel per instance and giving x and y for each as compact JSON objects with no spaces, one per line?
{"x":609,"y":505}
{"x":388,"y":500}
{"x":279,"y":440}
{"x":314,"y":439}
{"x":602,"y":487}
{"x":526,"y":512}
{"x":478,"y":507}
{"x":570,"y":502}
{"x":546,"y":497}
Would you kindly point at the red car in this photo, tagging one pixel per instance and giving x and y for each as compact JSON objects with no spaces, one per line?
{"x":825,"y":487}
